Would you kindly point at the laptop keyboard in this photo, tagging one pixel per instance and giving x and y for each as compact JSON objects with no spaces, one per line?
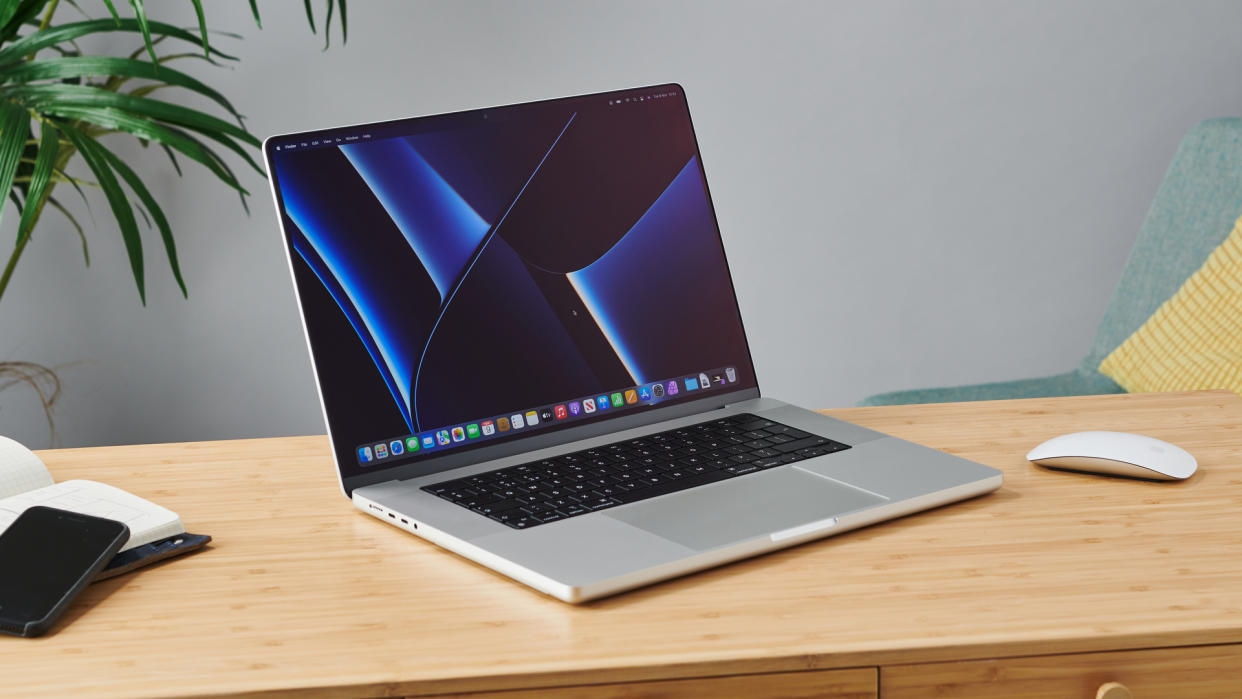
{"x":585,"y":481}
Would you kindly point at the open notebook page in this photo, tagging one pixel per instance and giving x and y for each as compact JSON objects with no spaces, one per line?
{"x":147,"y":521}
{"x":20,"y":469}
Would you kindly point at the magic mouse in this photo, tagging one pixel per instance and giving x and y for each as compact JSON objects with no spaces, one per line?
{"x":1117,"y":454}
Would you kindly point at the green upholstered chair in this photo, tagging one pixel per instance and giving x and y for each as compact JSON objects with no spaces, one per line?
{"x":1193,"y":212}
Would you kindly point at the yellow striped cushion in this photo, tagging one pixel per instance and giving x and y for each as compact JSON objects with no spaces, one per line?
{"x":1194,"y":340}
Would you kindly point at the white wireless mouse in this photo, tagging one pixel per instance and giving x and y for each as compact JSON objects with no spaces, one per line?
{"x":1117,"y":454}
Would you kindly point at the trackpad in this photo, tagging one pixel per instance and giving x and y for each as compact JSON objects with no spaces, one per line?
{"x":744,"y":508}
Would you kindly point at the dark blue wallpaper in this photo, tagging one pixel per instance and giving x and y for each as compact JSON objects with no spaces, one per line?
{"x":457,"y":267}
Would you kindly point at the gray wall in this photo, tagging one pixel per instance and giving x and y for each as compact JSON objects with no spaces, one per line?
{"x":911,"y":193}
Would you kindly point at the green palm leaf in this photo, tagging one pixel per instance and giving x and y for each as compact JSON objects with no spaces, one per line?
{"x":86,"y":253}
{"x":172,"y":157}
{"x":98,"y":163}
{"x":310,"y":16}
{"x":202,"y":24}
{"x":77,"y":99}
{"x":109,"y":118}
{"x":220,"y":162}
{"x":143,"y":26}
{"x":44,"y":38}
{"x":327,"y":24}
{"x":50,"y":97}
{"x":49,"y":146}
{"x":15,"y":14}
{"x":69,"y":101}
{"x":112,"y":10}
{"x":85,"y":66}
{"x":14,"y":125}
{"x":136,"y":185}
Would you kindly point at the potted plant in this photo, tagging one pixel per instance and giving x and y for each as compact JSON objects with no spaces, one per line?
{"x":59,"y":104}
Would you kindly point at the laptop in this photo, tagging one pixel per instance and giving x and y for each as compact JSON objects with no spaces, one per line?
{"x":529,"y":351}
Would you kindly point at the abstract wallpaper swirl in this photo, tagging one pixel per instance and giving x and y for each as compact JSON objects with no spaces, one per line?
{"x":536,"y":256}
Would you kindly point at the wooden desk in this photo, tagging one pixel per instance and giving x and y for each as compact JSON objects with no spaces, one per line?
{"x":300,"y":591}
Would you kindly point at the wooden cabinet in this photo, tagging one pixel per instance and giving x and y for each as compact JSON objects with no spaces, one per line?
{"x":1204,"y":672}
{"x":854,"y":683}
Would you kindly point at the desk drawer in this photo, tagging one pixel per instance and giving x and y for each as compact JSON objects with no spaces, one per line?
{"x":855,"y":683}
{"x":1202,"y":672}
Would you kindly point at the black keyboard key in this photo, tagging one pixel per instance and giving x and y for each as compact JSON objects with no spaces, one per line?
{"x":799,"y":444}
{"x":497,"y":507}
{"x":479,"y":500}
{"x":523,"y":522}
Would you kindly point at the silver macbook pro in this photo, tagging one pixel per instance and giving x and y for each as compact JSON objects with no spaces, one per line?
{"x":529,"y":351}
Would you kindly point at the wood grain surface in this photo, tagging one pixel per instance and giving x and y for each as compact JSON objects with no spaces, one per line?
{"x":300,"y":591}
{"x":1199,"y":672}
{"x":856,"y":683}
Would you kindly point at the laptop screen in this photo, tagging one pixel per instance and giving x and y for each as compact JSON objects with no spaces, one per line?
{"x":483,"y":276}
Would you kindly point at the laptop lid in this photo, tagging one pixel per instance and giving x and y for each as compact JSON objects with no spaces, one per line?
{"x":494,"y":281}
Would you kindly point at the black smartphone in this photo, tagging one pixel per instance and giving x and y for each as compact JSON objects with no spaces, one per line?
{"x":47,"y":557}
